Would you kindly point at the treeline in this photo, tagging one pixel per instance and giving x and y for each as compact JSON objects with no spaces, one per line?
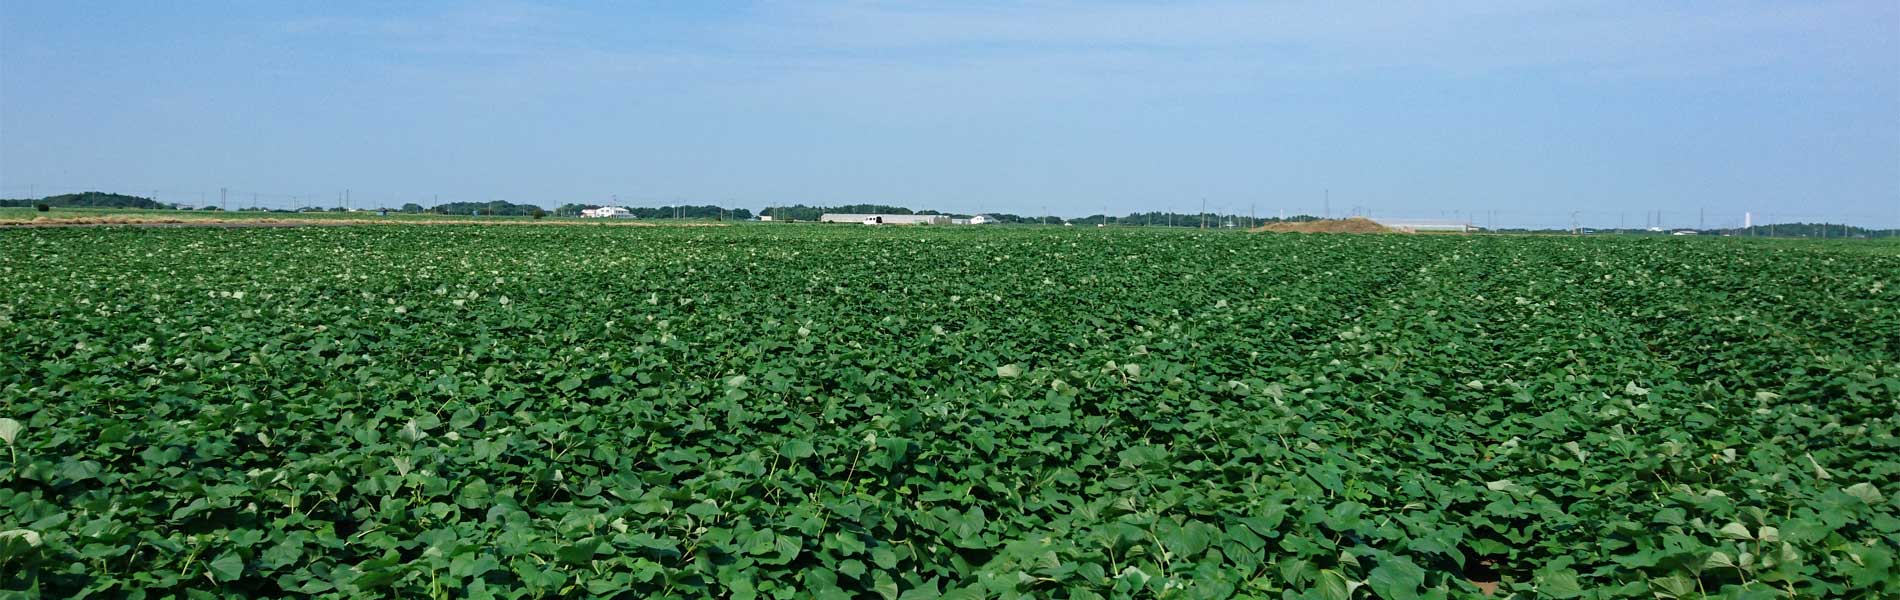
{"x":1779,"y":230}
{"x":800,"y":212}
{"x":795,"y":212}
{"x":1812,"y":230}
{"x":89,"y":200}
{"x":1190,"y":220}
{"x":492,"y":208}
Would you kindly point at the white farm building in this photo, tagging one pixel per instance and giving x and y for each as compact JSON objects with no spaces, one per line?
{"x":606,"y":212}
{"x":1417,"y":225}
{"x":884,"y":219}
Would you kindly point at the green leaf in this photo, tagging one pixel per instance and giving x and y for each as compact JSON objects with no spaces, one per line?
{"x":884,"y":585}
{"x":282,"y":554}
{"x":226,"y":568}
{"x":1558,"y":583}
{"x":1141,"y":455}
{"x":1673,"y":586}
{"x":579,"y":553}
{"x":1333,"y":585}
{"x":884,"y":558}
{"x":1296,"y":570}
{"x":796,"y":449}
{"x":1396,"y":579}
{"x":739,"y":586}
{"x":786,"y":548}
{"x":1869,"y":565}
{"x":462,"y":419}
{"x":851,"y":567}
{"x":80,"y":470}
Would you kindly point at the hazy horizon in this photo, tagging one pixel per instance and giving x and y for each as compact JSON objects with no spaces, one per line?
{"x":1529,"y":113}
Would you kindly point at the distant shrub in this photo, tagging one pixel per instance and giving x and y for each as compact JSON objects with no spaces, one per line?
{"x":42,"y":207}
{"x":538,"y":213}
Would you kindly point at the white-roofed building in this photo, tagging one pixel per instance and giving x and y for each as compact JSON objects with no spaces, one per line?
{"x":606,"y":212}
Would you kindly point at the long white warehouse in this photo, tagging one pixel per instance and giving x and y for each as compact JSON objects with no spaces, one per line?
{"x":881,"y":219}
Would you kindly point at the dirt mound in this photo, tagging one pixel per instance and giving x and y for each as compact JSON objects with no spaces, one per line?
{"x":1352,"y":225}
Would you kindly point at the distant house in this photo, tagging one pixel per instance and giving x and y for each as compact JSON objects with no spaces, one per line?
{"x":884,"y":219}
{"x":1684,"y":232}
{"x":606,"y":212}
{"x":765,"y":217}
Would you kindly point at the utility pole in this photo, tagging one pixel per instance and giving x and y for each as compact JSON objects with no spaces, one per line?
{"x":1203,"y":212}
{"x":1701,"y":218}
{"x":1329,"y":203}
{"x":1250,"y":224}
{"x":223,"y":199}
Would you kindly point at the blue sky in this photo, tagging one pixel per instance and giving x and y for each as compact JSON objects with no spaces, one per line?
{"x":1524,"y":110}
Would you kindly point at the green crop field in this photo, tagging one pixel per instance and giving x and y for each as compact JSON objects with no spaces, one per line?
{"x":854,"y":412}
